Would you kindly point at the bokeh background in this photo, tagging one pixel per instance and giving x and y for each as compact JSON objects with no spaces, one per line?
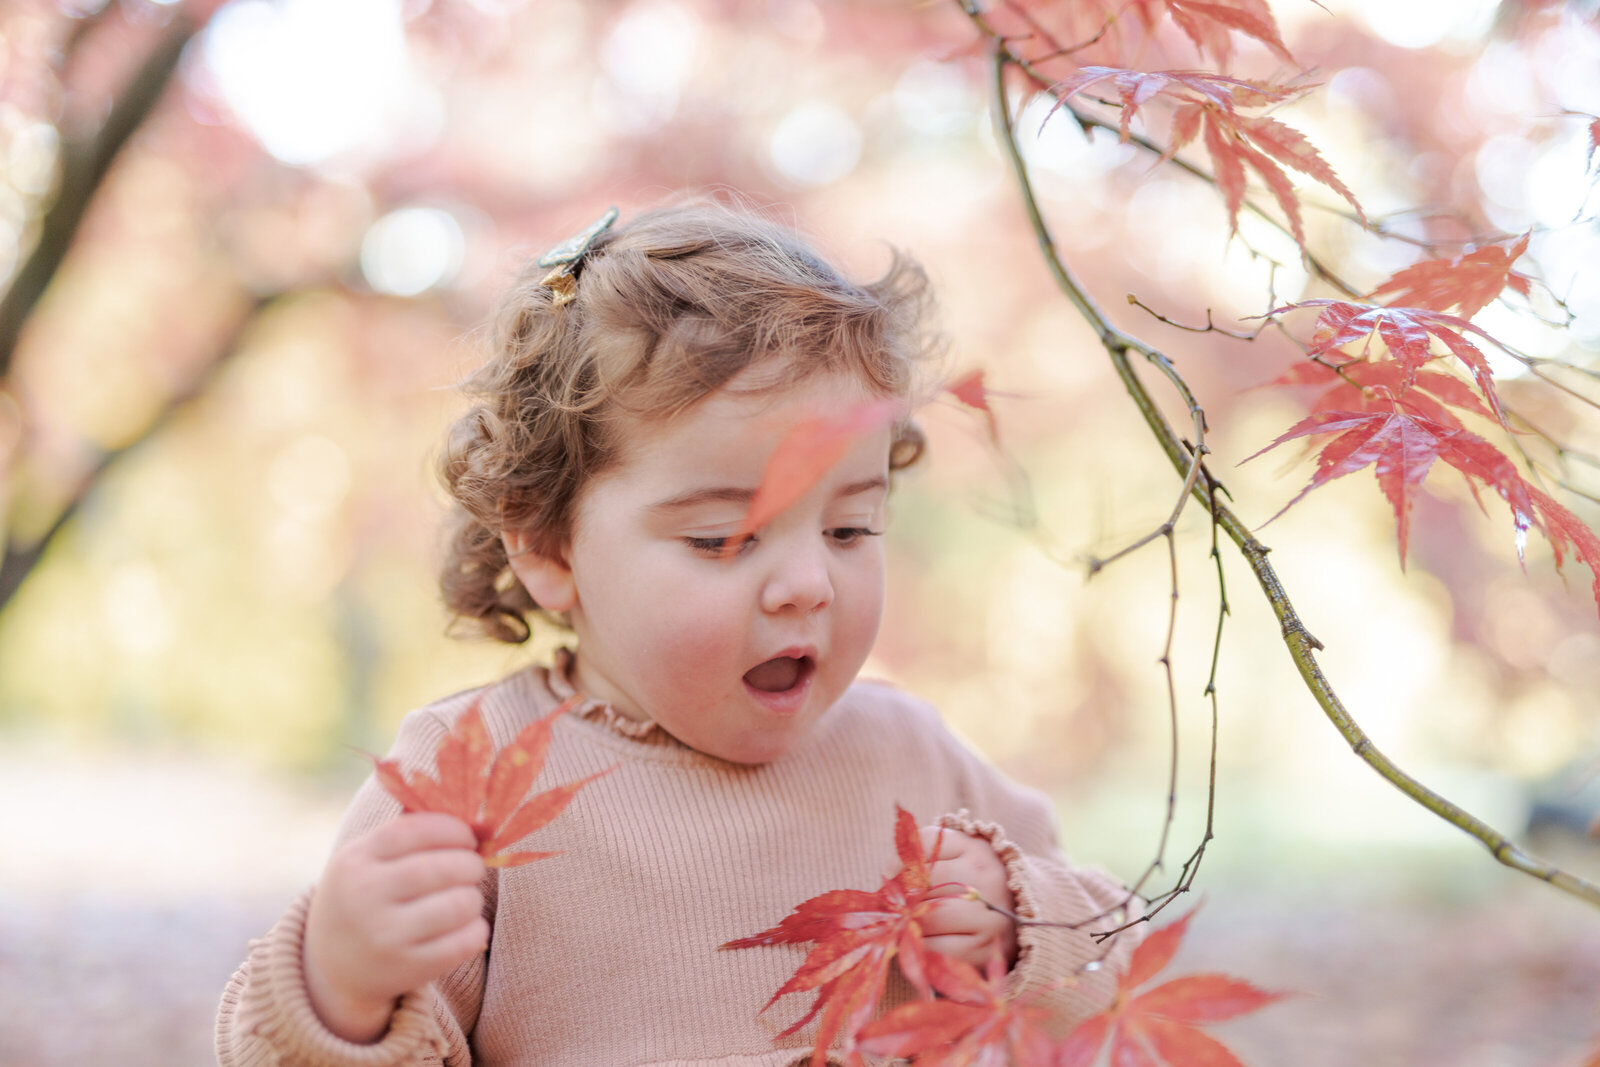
{"x":221,"y":527}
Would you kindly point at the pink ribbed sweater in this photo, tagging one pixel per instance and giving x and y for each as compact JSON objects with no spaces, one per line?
{"x":607,"y":955}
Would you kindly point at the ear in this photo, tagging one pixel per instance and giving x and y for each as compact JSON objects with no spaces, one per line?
{"x":548,"y":580}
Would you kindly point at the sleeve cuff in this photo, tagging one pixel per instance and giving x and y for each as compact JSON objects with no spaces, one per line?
{"x":275,"y":1010}
{"x":1050,"y":959}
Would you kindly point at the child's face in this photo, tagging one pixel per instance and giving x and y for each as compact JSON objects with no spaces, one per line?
{"x":736,"y":656}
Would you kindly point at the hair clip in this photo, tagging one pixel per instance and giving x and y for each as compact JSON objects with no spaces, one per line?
{"x":567,"y":257}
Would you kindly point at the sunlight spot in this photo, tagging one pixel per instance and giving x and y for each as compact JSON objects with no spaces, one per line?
{"x":815,"y":144}
{"x":315,"y":80}
{"x":135,"y":610}
{"x":649,"y":54}
{"x":309,"y":477}
{"x":412,"y":250}
{"x":30,"y":164}
{"x":1424,"y":23}
{"x":934,"y":99}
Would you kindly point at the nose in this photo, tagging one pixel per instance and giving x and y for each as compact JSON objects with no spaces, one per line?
{"x":799,"y":581}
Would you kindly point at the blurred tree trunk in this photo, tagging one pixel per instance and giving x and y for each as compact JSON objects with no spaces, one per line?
{"x":84,"y":164}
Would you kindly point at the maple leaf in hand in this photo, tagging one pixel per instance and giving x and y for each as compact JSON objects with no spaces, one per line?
{"x":488,"y":796}
{"x":974,"y":1023}
{"x":1161,"y":1025}
{"x":857,"y":934}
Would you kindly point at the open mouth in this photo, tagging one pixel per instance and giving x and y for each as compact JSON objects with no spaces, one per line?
{"x":779,"y":674}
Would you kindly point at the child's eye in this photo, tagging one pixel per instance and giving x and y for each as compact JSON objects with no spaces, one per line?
{"x":717,"y":546}
{"x":849,"y":535}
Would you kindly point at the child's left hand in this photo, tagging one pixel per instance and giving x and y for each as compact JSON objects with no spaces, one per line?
{"x":961,"y":928}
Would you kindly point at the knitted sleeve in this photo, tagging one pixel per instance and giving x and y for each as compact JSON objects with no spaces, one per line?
{"x":1019,"y":824}
{"x":266,"y":1016}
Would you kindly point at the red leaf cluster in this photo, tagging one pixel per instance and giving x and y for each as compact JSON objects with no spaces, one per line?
{"x":975,"y":1023}
{"x":856,"y":934}
{"x":1161,"y":1025}
{"x":1208,"y":107}
{"x":488,"y":794}
{"x":1391,"y":411}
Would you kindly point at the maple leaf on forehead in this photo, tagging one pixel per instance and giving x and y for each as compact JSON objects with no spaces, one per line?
{"x":975,"y":1022}
{"x":805,"y":453}
{"x":857,"y":934}
{"x":487,"y":790}
{"x":1468,"y":282}
{"x":1160,"y":1026}
{"x":1407,"y":332}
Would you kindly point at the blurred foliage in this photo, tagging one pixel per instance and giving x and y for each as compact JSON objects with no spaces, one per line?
{"x":235,"y":382}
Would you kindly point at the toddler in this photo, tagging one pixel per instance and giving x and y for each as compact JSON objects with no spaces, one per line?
{"x":622,"y":425}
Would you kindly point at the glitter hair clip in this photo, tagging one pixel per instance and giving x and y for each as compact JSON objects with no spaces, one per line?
{"x":567,"y":257}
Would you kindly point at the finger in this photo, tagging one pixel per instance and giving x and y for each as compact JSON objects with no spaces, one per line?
{"x":949,"y":880}
{"x":419,"y":873}
{"x":958,"y":917}
{"x":950,"y":843}
{"x":450,"y":950}
{"x":420,"y":830}
{"x":969,"y":948}
{"x":438,"y":914}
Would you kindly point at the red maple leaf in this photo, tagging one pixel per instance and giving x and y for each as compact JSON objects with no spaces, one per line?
{"x":1468,"y":282}
{"x":1211,"y":23}
{"x":806,"y":453}
{"x":1564,"y":531}
{"x":970,"y":390}
{"x":1208,"y":107}
{"x":488,"y":796}
{"x":1161,"y":1025}
{"x":856,"y":935}
{"x":974,"y":1023}
{"x":1402,"y":446}
{"x":1402,"y":433}
{"x":1369,"y":385}
{"x":1407,"y":332}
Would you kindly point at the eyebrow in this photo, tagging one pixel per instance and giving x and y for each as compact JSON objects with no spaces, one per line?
{"x":736,"y":495}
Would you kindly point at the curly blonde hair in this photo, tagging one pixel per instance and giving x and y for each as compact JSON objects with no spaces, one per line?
{"x":669,"y":307}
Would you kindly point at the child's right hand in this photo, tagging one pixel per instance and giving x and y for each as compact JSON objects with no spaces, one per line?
{"x":396,"y":908}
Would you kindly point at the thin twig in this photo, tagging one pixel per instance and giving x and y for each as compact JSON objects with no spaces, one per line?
{"x":1299,"y":641}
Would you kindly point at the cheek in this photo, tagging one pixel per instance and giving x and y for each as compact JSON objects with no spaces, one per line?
{"x":684,"y":616}
{"x":862,"y":610}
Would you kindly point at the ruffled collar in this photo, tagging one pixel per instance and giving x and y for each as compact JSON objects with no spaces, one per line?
{"x":595,"y":710}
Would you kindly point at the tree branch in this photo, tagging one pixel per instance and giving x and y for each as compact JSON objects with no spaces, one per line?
{"x":19,"y":561}
{"x":83,"y":167}
{"x":1300,"y":643}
